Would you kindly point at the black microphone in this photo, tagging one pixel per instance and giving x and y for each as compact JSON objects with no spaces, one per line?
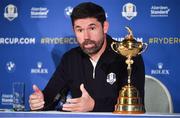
{"x":61,"y":96}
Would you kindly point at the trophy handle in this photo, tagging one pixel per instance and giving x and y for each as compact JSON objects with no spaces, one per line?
{"x":112,"y":46}
{"x":145,"y":45}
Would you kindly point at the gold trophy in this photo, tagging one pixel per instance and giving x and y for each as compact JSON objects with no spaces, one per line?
{"x":129,"y":100}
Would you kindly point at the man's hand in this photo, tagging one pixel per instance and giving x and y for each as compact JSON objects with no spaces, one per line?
{"x":83,"y":104}
{"x":36,"y":100}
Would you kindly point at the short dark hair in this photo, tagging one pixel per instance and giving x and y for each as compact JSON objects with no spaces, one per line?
{"x":88,"y":10}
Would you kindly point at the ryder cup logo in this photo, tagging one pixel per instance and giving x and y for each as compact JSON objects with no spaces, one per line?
{"x":10,"y":66}
{"x":111,"y":78}
{"x":10,"y":12}
{"x":68,"y":10}
{"x":129,"y":11}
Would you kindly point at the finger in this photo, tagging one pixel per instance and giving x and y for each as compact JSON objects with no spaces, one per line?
{"x":36,"y":89}
{"x":73,"y":101}
{"x":71,"y":107}
{"x":34,"y":96}
{"x":37,"y":108}
{"x":34,"y":101}
{"x":37,"y":105}
{"x":83,"y":90}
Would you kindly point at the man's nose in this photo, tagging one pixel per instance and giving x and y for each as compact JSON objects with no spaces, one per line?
{"x":86,"y":34}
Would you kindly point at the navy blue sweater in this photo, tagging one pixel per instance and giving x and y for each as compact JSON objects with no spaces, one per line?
{"x":110,"y":76}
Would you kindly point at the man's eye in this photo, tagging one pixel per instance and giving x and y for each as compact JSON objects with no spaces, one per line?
{"x":92,"y":28}
{"x":79,"y":30}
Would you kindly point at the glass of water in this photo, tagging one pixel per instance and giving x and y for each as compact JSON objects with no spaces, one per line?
{"x":18,"y":96}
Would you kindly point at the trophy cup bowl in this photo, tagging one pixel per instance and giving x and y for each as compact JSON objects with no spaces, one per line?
{"x":129,"y":100}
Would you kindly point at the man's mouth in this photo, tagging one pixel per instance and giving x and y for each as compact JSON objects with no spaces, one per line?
{"x":90,"y":45}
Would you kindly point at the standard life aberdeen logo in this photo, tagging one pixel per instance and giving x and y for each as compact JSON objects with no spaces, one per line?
{"x":6,"y":99}
{"x":129,"y":11}
{"x":159,"y":11}
{"x":10,"y":12}
{"x":39,"y":12}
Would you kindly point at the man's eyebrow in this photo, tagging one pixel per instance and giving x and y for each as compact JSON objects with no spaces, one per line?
{"x":92,"y":24}
{"x":77,"y":26}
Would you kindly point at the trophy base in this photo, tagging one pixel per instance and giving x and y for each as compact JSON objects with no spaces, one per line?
{"x":128,"y":112}
{"x":129,"y":101}
{"x":129,"y":109}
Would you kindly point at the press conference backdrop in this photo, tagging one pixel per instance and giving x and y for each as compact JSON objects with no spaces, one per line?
{"x":34,"y":34}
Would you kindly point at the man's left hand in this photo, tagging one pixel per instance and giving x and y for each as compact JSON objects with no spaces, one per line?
{"x":82,"y":104}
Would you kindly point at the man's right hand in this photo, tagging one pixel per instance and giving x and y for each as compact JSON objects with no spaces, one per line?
{"x":36,"y":100}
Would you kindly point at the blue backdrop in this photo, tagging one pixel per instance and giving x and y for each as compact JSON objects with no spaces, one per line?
{"x":35,"y":33}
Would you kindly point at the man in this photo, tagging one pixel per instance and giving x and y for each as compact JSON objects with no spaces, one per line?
{"x":93,"y":72}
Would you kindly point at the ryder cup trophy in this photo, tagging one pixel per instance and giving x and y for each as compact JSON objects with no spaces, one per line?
{"x":129,"y":100}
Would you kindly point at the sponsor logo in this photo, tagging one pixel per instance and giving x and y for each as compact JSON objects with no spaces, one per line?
{"x":68,"y":10}
{"x":7,"y":99}
{"x":39,"y":12}
{"x":159,"y":11}
{"x":10,"y":66}
{"x":58,"y":40}
{"x":15,"y":40}
{"x":39,"y":69}
{"x":111,"y":78}
{"x":164,"y":40}
{"x":160,"y":70}
{"x":129,"y":11}
{"x":10,"y":12}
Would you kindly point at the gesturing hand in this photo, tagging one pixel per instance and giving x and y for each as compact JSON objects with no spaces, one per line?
{"x":36,"y":100}
{"x":81,"y":104}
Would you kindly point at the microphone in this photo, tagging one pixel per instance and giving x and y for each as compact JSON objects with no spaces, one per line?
{"x":62,"y":101}
{"x":60,"y":97}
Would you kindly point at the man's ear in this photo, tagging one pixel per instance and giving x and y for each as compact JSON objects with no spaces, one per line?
{"x":106,"y":26}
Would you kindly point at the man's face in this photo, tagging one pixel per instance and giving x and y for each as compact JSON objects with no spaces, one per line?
{"x":90,"y":34}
